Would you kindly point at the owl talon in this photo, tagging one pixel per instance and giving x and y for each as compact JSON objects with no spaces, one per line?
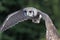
{"x":36,"y":21}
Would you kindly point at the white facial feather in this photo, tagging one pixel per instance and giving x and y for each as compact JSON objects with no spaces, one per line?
{"x":30,"y":11}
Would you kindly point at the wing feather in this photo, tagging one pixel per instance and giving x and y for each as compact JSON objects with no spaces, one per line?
{"x":13,"y":19}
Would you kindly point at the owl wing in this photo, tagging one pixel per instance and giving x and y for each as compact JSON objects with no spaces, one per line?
{"x":13,"y":19}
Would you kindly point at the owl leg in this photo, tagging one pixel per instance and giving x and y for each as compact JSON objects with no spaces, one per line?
{"x":37,"y":20}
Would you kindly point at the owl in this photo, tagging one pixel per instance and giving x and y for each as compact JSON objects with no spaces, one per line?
{"x":19,"y":16}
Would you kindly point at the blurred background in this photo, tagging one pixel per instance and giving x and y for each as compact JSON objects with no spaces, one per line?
{"x":27,"y":30}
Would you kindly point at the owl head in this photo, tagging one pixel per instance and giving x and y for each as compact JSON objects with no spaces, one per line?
{"x":30,"y":11}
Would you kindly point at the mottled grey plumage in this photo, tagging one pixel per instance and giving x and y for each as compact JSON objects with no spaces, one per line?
{"x":35,"y":15}
{"x":51,"y":31}
{"x":19,"y":16}
{"x":13,"y":19}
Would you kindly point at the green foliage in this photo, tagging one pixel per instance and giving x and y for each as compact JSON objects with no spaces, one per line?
{"x":2,"y":8}
{"x":28,"y":30}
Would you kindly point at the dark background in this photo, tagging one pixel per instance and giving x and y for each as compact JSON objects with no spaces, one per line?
{"x":27,"y":30}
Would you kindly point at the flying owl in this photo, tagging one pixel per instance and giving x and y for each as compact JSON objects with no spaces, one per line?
{"x":19,"y":16}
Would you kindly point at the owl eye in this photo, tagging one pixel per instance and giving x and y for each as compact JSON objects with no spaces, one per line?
{"x":30,"y":11}
{"x":25,"y":11}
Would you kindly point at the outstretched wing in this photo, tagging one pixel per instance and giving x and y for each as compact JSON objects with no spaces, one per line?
{"x":13,"y":19}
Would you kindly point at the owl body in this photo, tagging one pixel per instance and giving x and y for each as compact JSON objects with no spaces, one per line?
{"x":19,"y":16}
{"x":32,"y":12}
